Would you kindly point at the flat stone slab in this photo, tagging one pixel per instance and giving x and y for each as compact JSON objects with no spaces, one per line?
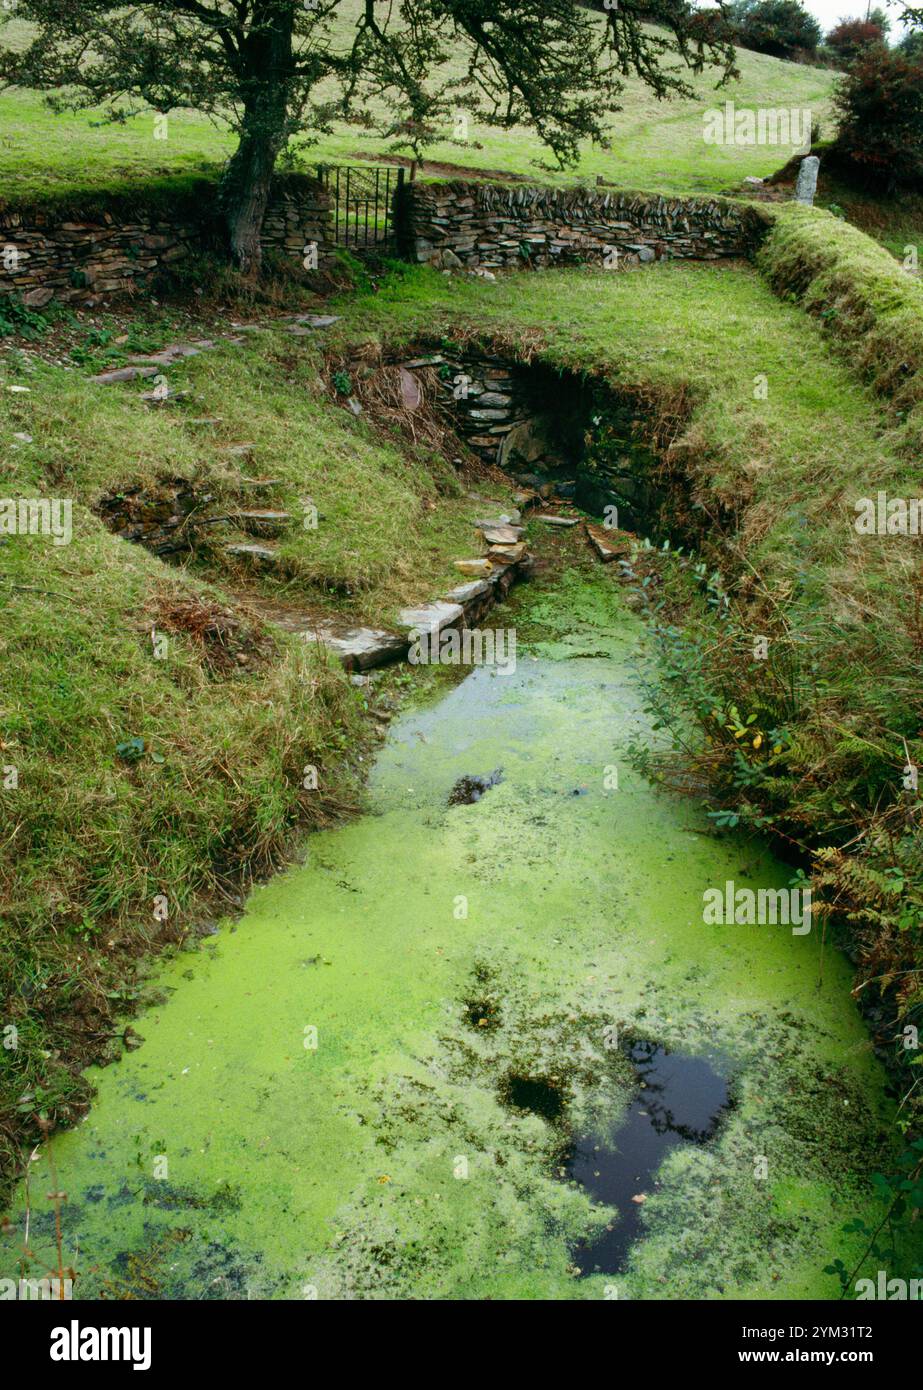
{"x":250,"y":550}
{"x":318,"y":320}
{"x":123,"y":374}
{"x":507,"y":553}
{"x":431,"y":617}
{"x":607,"y":544}
{"x":478,"y":568}
{"x":361,"y":648}
{"x":466,"y":592}
{"x":559,"y":520}
{"x":500,"y":535}
{"x":174,"y":353}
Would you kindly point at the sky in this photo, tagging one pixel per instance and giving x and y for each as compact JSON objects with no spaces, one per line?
{"x":829,"y":12}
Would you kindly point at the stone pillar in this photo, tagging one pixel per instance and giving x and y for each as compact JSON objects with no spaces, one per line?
{"x":807,"y":180}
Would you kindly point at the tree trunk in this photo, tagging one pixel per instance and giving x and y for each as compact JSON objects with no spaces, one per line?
{"x":244,"y":192}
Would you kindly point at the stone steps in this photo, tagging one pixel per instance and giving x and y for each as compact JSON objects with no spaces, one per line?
{"x":254,"y":552}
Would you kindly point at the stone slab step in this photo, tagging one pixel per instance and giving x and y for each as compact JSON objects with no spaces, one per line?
{"x":609,"y":545}
{"x":361,"y":648}
{"x":507,"y":554}
{"x":500,"y":535}
{"x":430,"y":618}
{"x":250,"y":550}
{"x":478,"y":569}
{"x":259,"y":519}
{"x":465,"y":593}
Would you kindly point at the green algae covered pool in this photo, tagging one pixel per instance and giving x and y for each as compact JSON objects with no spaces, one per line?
{"x":393,"y":1076}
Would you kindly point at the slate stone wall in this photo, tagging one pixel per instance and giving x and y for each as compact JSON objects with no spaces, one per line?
{"x":81,"y":258}
{"x":492,"y":226}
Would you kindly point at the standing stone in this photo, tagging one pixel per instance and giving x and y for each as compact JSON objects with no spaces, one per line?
{"x":807,"y":180}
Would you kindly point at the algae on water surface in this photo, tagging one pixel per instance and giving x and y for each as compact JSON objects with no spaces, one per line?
{"x":370,"y":1085}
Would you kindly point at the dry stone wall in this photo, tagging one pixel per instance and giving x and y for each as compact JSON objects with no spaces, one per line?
{"x":491,"y":226}
{"x":79,"y":257}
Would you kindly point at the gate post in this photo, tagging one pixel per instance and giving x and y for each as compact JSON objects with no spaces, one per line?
{"x":402,"y":218}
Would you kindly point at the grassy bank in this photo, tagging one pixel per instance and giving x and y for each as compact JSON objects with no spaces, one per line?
{"x":155,"y":728}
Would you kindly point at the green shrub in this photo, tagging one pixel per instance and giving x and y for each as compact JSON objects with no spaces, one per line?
{"x":782,"y":28}
{"x":879,"y":106}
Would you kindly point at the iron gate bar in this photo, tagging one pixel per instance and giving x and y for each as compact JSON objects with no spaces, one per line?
{"x":363,"y":211}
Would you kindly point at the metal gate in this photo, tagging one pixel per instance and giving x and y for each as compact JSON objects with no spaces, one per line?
{"x":363,"y":203}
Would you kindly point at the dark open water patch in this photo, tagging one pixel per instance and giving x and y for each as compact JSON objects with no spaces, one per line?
{"x":471,"y":788}
{"x":680,"y":1100}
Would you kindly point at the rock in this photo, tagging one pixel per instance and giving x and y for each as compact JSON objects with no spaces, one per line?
{"x":123,"y":374}
{"x":807,"y":180}
{"x":525,"y":444}
{"x":435,"y":361}
{"x":430,"y":617}
{"x":260,"y":521}
{"x":507,"y":554}
{"x":411,"y":395}
{"x":605,"y":543}
{"x":500,"y":535}
{"x":37,"y":298}
{"x":445,"y":259}
{"x":250,"y":550}
{"x":476,"y":568}
{"x":466,"y":592}
{"x":559,"y":520}
{"x":360,"y":648}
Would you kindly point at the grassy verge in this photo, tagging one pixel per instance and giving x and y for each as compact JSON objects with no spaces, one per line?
{"x":154,"y":729}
